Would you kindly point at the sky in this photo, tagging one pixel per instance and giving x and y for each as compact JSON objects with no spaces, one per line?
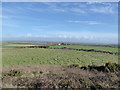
{"x":82,"y":22}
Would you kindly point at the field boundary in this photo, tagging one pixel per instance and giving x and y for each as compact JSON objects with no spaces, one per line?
{"x":87,"y":50}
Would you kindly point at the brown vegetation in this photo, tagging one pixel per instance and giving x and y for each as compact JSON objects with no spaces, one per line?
{"x":73,"y":76}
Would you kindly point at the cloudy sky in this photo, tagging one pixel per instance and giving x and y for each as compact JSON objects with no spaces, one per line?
{"x":79,"y":21}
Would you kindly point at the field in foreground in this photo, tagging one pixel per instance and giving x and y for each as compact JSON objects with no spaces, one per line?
{"x":38,"y":56}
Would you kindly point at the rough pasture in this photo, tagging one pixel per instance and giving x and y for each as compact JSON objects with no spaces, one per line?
{"x":38,"y":56}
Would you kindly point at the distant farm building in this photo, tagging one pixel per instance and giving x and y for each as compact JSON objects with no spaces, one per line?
{"x":62,"y":44}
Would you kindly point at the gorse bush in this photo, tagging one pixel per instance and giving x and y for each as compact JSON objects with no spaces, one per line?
{"x":112,"y":67}
{"x":13,"y":73}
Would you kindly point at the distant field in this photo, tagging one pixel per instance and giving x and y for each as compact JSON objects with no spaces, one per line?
{"x":112,"y":49}
{"x":37,"y":56}
{"x":18,"y":45}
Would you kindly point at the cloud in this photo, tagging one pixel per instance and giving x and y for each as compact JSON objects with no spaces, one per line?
{"x":106,"y":8}
{"x":29,"y":35}
{"x":65,"y":7}
{"x":83,"y":34}
{"x":4,"y":17}
{"x":92,"y":37}
{"x":84,"y":22}
{"x":34,"y":9}
{"x":72,"y":36}
{"x":88,"y":37}
{"x":59,"y":10}
{"x":78,"y":10}
{"x":9,"y":25}
{"x":95,"y":2}
{"x":102,"y":9}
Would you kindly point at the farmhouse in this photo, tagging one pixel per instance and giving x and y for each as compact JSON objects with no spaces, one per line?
{"x":62,"y":44}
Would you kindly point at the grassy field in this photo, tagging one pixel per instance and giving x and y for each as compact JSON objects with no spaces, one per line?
{"x":16,"y":45}
{"x":37,"y":56}
{"x":112,"y":49}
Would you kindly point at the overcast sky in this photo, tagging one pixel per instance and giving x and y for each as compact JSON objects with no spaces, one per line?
{"x":80,"y":22}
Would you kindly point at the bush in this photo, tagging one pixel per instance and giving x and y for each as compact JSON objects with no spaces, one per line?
{"x":112,"y":67}
{"x":73,"y":65}
{"x":13,"y":73}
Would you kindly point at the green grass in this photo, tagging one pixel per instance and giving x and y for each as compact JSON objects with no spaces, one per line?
{"x":37,"y":56}
{"x":112,"y":49}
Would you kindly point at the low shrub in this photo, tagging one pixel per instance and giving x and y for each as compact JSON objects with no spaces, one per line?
{"x":13,"y":73}
{"x":112,"y":67}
